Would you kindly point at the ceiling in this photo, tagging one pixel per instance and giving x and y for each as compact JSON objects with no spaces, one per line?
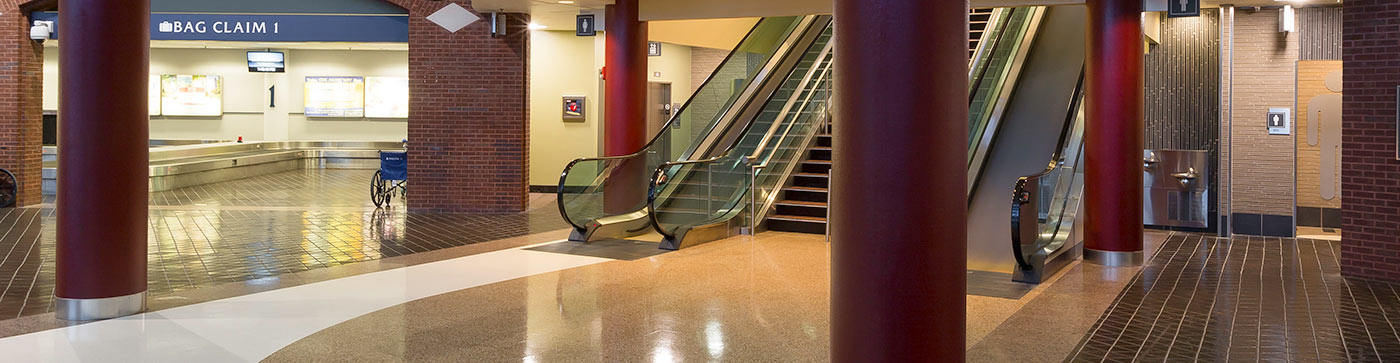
{"x":556,"y":14}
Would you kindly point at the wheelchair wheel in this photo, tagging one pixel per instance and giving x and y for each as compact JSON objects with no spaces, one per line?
{"x":378,"y":192}
{"x":9,"y":189}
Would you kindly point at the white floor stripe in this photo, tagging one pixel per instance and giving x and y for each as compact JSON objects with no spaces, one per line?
{"x":251,"y":327}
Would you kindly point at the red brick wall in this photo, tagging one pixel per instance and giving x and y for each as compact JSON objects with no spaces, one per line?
{"x":1370,"y":173}
{"x":21,"y":99}
{"x":468,"y":116}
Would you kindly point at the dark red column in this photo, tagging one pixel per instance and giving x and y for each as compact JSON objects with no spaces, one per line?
{"x":102,"y":158}
{"x":1113,"y":134}
{"x":899,"y":217}
{"x":624,"y":104}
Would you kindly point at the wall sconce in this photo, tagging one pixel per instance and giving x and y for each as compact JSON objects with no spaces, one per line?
{"x":1287,"y":22}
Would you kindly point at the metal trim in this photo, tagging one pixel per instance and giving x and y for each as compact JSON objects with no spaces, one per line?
{"x":1114,"y":258}
{"x":99,"y":309}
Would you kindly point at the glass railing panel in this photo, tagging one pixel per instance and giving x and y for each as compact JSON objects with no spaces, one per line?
{"x":703,"y":192}
{"x":991,"y":36}
{"x":1063,"y":189}
{"x":991,"y":85}
{"x":1057,"y":193}
{"x":594,"y":188}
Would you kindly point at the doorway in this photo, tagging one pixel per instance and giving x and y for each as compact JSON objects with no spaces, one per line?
{"x":659,"y":111}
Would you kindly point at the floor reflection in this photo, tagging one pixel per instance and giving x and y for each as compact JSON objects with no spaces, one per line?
{"x":253,"y":229}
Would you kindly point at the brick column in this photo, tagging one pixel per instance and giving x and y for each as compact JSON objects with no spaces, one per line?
{"x":468,"y":118}
{"x":1370,"y":199}
{"x":21,"y":97}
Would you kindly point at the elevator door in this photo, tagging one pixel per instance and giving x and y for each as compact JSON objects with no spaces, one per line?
{"x":658,"y":112}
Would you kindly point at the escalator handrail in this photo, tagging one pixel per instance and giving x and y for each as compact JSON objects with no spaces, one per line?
{"x":766,"y":71}
{"x":661,"y":171}
{"x":1020,"y":197}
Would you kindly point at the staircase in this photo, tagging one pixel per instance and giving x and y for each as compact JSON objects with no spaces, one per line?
{"x":802,"y":207}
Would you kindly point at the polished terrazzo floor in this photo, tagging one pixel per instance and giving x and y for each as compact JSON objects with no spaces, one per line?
{"x":256,"y":228}
{"x":763,"y":298}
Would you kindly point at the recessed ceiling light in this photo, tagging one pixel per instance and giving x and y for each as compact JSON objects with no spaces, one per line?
{"x":566,"y":1}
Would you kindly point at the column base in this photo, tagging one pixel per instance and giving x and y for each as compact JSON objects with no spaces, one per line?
{"x":99,"y":309}
{"x":1113,"y":258}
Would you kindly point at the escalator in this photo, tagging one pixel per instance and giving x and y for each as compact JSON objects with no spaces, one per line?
{"x":1045,"y":205}
{"x":696,"y":201}
{"x":607,"y":197}
{"x":1034,"y":123}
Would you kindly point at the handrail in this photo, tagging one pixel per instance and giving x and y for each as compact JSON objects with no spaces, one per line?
{"x":661,"y":172}
{"x":727,"y":117}
{"x":1021,"y":195}
{"x":727,"y":153}
{"x":768,"y":201}
{"x":763,"y":143}
{"x":985,"y":44}
{"x":762,"y":74}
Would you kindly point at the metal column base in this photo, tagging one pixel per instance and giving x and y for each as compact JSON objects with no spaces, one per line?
{"x":1113,"y":258}
{"x":98,"y":309}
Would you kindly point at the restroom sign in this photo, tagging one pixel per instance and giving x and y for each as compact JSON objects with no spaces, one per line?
{"x":1183,"y":8}
{"x":1278,"y":121}
{"x":586,"y":25}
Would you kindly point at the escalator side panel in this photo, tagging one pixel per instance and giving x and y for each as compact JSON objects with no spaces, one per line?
{"x":1027,"y":135}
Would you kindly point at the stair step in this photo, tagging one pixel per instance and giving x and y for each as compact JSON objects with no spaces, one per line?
{"x":812,"y":175}
{"x":823,"y":162}
{"x":802,"y":203}
{"x":798,"y":219}
{"x":807,"y":189}
{"x":823,"y":148}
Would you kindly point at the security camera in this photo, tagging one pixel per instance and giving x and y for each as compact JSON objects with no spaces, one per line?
{"x":41,"y":31}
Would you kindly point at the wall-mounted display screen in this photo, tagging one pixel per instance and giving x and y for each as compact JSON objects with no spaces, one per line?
{"x":191,"y":95}
{"x":386,"y":97}
{"x":335,"y":97}
{"x":267,"y":62}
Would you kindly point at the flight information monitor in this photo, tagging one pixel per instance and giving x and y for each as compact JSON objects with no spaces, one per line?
{"x":267,"y":62}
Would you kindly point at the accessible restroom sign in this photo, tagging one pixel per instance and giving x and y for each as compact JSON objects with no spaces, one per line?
{"x":1278,"y":121}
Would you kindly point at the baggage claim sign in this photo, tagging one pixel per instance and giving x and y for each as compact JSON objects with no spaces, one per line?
{"x":272,"y":28}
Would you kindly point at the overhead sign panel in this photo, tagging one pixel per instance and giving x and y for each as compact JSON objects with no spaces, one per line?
{"x":1183,"y":8}
{"x":272,"y":28}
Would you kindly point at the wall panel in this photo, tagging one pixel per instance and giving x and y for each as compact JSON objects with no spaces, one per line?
{"x":1320,"y":33}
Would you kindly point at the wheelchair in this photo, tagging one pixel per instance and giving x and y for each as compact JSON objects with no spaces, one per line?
{"x":391,"y":177}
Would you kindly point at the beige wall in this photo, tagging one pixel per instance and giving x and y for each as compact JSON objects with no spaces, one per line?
{"x":562,"y":63}
{"x":245,"y":94}
{"x":1263,"y":164}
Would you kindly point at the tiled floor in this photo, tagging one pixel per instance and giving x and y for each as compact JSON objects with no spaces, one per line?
{"x":1247,"y":299}
{"x":256,"y":228}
